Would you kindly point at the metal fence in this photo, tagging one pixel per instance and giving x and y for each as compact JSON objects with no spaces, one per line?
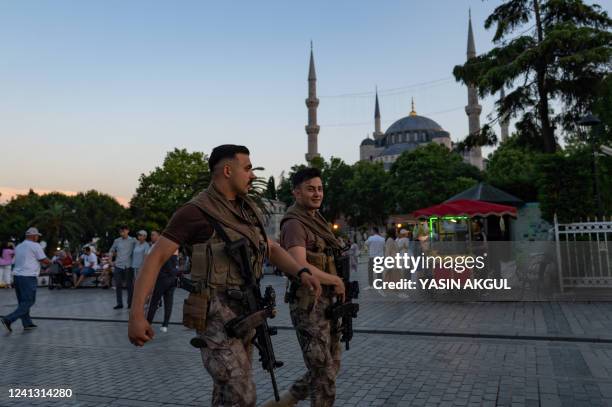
{"x":584,"y":253}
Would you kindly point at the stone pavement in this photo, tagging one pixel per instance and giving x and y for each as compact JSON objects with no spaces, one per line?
{"x":404,"y":353}
{"x":95,"y":360}
{"x":524,"y":320}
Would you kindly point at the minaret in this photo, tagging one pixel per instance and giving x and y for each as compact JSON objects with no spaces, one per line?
{"x":312,"y":128}
{"x":473,"y":109}
{"x":377,"y":132}
{"x":504,"y":122}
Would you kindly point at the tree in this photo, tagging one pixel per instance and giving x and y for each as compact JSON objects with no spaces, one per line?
{"x":59,"y":223}
{"x":512,"y":168}
{"x":565,"y":186}
{"x":17,"y":215}
{"x":258,"y":192}
{"x":603,"y":110}
{"x":62,"y":218}
{"x":565,"y":58}
{"x":427,"y":176}
{"x":99,"y":216}
{"x":336,"y":175}
{"x":270,"y":189}
{"x":284,"y":189}
{"x":368,"y":203}
{"x":164,"y":189}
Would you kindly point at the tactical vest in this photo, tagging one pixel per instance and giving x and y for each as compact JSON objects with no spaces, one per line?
{"x":322,"y":257}
{"x":212,"y":267}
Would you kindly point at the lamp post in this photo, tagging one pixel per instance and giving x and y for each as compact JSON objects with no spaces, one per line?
{"x":587,"y":123}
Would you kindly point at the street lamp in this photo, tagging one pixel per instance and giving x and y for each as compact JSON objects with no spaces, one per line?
{"x":586,"y":124}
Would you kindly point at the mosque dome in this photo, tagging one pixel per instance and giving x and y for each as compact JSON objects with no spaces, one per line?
{"x":409,"y":132}
{"x":413,"y":122}
{"x":367,"y":142}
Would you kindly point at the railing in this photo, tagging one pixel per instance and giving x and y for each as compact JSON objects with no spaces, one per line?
{"x":584,"y":253}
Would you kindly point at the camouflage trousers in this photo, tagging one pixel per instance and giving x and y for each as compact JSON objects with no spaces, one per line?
{"x":227,"y":360}
{"x":321,"y":350}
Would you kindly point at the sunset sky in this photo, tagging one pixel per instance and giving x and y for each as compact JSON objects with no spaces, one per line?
{"x":95,"y":93}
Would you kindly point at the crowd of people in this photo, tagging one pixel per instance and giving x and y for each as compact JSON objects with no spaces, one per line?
{"x":21,"y":266}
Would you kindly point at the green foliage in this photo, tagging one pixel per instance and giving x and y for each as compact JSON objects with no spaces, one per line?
{"x":562,"y":52}
{"x":564,"y":184}
{"x":166,"y":188}
{"x":603,"y":110}
{"x":258,"y":192}
{"x":368,"y":203}
{"x":336,"y":176}
{"x":17,"y":215}
{"x":512,"y":168}
{"x":427,"y":176}
{"x":59,"y":221}
{"x":60,"y":218}
{"x":99,"y":215}
{"x":270,"y":192}
{"x":484,"y":137}
{"x":283,"y":192}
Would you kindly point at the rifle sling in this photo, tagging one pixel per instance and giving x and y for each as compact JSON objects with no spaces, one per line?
{"x":218,"y":228}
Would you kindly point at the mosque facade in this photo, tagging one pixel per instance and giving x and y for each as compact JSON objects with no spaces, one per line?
{"x":406,"y":133}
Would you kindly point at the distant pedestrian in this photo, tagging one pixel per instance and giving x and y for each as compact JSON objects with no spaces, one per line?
{"x":164,"y":288}
{"x":141,"y":248}
{"x":376,"y":248}
{"x":354,"y":256}
{"x":403,"y":242}
{"x":29,"y":255}
{"x":7,"y":256}
{"x":391,"y":250}
{"x":123,"y":274}
{"x":403,"y":246}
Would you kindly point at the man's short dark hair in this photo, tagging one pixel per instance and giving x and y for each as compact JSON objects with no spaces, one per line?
{"x":124,"y":227}
{"x":87,"y":248}
{"x":375,"y":229}
{"x":223,"y":152}
{"x":304,"y":175}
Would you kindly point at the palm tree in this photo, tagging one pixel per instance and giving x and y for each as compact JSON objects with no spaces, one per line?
{"x":59,"y":223}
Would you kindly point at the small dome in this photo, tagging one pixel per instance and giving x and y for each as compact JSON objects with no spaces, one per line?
{"x":367,"y":142}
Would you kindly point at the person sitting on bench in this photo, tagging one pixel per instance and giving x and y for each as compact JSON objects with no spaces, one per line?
{"x":89,"y":263}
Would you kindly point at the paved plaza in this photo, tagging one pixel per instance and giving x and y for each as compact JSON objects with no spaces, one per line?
{"x":404,"y":353}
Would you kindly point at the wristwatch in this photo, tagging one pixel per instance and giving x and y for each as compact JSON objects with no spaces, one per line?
{"x":304,"y":270}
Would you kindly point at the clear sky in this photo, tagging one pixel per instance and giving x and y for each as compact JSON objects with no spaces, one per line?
{"x":94,"y":93}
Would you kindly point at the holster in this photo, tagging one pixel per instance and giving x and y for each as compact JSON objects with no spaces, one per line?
{"x":301,"y":295}
{"x":195,"y":309}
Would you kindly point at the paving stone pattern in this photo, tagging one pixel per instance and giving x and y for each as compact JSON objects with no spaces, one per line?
{"x":391,"y":366}
{"x":97,"y":362}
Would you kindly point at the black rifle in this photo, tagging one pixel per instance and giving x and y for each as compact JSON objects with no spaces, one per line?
{"x":258,"y":309}
{"x":346,"y":310}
